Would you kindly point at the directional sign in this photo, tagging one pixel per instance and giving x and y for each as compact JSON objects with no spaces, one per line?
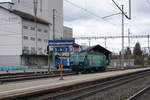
{"x":60,"y":42}
{"x":61,"y":49}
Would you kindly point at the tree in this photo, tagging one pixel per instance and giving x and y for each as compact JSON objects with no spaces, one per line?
{"x":138,"y":56}
{"x":127,"y":53}
{"x":137,"y":50}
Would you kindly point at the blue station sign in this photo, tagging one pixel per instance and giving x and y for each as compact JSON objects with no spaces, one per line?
{"x":61,"y":49}
{"x":60,"y":42}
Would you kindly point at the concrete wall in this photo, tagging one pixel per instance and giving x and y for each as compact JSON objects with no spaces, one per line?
{"x":116,"y":62}
{"x":10,"y":33}
{"x":34,"y":60}
{"x":10,"y":60}
{"x":67,"y":33}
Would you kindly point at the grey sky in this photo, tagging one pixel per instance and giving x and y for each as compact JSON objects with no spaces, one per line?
{"x":85,"y":24}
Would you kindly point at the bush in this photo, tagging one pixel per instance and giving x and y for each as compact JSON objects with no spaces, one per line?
{"x":139,"y":60}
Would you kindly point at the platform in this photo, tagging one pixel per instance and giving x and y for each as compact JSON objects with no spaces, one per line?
{"x":26,"y":87}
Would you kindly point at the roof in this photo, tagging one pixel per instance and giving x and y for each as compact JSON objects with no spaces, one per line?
{"x":98,"y":48}
{"x":76,"y":45}
{"x":6,"y":2}
{"x":29,"y":16}
{"x":24,"y":15}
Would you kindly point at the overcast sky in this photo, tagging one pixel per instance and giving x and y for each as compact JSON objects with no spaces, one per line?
{"x":85,"y":24}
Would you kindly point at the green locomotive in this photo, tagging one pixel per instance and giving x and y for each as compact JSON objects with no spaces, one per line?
{"x":88,"y":62}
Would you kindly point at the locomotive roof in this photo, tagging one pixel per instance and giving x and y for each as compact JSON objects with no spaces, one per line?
{"x":99,"y":49}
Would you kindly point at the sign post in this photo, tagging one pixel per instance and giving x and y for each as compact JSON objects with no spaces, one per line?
{"x":61,"y":46}
{"x":61,"y":68}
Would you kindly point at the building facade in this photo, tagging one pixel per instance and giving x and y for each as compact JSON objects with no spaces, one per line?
{"x":67,"y":33}
{"x":46,"y":9}
{"x":18,"y":40}
{"x":20,"y":44}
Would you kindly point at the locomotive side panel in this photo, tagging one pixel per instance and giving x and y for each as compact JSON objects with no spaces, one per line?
{"x":88,"y":62}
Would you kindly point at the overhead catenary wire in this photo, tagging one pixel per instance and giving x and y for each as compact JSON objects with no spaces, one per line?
{"x":29,"y":5}
{"x":88,"y":11}
{"x":58,"y":14}
{"x":112,"y":5}
{"x":148,"y":1}
{"x":97,"y":17}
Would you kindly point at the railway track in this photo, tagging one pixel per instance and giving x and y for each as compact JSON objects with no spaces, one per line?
{"x":141,"y":95}
{"x":22,"y":76}
{"x":12,"y":77}
{"x":81,"y":91}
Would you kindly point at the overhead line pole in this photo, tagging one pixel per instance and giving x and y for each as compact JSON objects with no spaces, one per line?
{"x":54,"y":10}
{"x":35,"y":3}
{"x":122,"y":57}
{"x":123,"y":14}
{"x":105,"y":41}
{"x":129,"y":46}
{"x":54,"y":24}
{"x":129,"y":37}
{"x":129,"y":9}
{"x":148,"y":41}
{"x":121,"y":9}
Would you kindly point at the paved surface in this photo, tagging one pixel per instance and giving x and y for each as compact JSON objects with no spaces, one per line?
{"x":144,"y":96}
{"x":42,"y":84}
{"x":20,"y":71}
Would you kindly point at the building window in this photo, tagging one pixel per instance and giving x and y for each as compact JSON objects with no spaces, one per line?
{"x":25,"y":37}
{"x":39,"y":49}
{"x":25,"y":27}
{"x":45,"y":40}
{"x":32,"y":28}
{"x":45,"y":31}
{"x":45,"y":51}
{"x":32,"y":48}
{"x":39,"y":30}
{"x":26,"y":48}
{"x":41,"y":5}
{"x":39,"y":39}
{"x":32,"y":38}
{"x":33,"y":51}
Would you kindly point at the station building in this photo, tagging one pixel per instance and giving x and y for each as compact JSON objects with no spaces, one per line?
{"x":20,"y":44}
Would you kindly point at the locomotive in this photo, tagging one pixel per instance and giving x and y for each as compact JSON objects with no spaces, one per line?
{"x":88,"y":62}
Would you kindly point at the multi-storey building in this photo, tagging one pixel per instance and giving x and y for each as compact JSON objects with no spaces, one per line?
{"x":67,"y":33}
{"x":46,"y":9}
{"x":20,"y":44}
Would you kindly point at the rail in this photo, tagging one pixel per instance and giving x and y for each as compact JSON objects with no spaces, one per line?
{"x":86,"y":90}
{"x":139,"y":93}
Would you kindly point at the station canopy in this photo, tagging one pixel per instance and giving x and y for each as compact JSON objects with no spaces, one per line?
{"x":99,"y":49}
